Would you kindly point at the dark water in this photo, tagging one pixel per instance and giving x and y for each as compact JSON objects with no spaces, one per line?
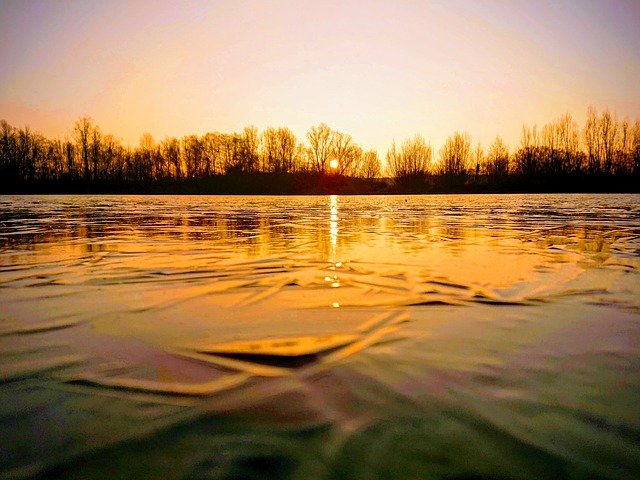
{"x":320,"y":337}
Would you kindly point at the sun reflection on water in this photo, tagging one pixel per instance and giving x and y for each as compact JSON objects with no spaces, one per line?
{"x":333,"y":225}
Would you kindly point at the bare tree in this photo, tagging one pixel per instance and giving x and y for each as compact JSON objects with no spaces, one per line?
{"x":27,"y":154}
{"x":83,"y":130}
{"x":635,"y":148}
{"x":527,"y":160}
{"x":550,"y":159}
{"x":145,"y":156}
{"x":287,"y":143}
{"x":497,"y":158}
{"x":69,"y":155}
{"x":95,"y":151}
{"x":232,"y":152}
{"x":9,"y":152}
{"x":370,"y":167}
{"x":478,"y":159}
{"x":109,"y":158}
{"x":622,"y":161}
{"x":321,"y":147}
{"x":569,"y":144}
{"x":592,"y":140}
{"x":301,"y":158}
{"x":455,"y":154}
{"x":270,"y":150}
{"x":193,"y":154}
{"x":278,"y":150}
{"x":170,"y":148}
{"x":211,"y":153}
{"x":351,"y":161}
{"x":413,"y":158}
{"x":249,"y":149}
{"x":347,"y":154}
{"x":608,"y":134}
{"x":341,"y":143}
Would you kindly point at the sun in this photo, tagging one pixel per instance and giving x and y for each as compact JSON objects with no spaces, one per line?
{"x":333,"y":163}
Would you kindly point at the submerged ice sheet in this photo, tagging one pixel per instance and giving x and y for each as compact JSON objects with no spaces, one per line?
{"x":311,"y":337}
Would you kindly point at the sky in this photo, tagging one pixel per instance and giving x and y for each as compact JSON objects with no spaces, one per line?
{"x":378,"y":70}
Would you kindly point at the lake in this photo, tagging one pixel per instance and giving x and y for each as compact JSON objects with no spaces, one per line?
{"x":320,"y":337}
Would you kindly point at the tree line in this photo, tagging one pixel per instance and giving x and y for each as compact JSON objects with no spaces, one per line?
{"x":89,"y":155}
{"x":604,"y":147}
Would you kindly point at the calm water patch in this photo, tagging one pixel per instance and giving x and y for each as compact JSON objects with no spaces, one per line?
{"x":320,"y":337}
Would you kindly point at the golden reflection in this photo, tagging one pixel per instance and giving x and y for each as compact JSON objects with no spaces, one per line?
{"x":402,"y":242}
{"x":333,"y":225}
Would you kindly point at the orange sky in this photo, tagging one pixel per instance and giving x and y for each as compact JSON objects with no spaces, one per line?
{"x":379,"y":70}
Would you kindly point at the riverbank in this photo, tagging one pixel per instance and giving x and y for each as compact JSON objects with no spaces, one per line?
{"x":315,"y":184}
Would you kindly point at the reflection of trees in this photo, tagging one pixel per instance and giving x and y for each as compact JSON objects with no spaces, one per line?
{"x":250,"y":231}
{"x":320,"y":228}
{"x":412,"y":227}
{"x":452,"y":233}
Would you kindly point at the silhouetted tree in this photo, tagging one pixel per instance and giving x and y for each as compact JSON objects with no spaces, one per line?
{"x":635,"y":148}
{"x":320,"y":147}
{"x":84,"y":129}
{"x":193,"y":153}
{"x":53,"y":165}
{"x":95,"y":152}
{"x":497,"y":162}
{"x":8,"y":153}
{"x":231,"y":150}
{"x":69,"y":155}
{"x":270,"y":160}
{"x":170,"y":148}
{"x":455,"y":155}
{"x":571,"y":162}
{"x":413,"y":158}
{"x":527,"y":159}
{"x":211,"y":146}
{"x":370,"y":167}
{"x":249,"y":150}
{"x":111,"y":166}
{"x":301,"y":158}
{"x":279,"y":150}
{"x":592,"y":141}
{"x":478,"y":160}
{"x":346,"y":153}
{"x":558,"y":152}
{"x":608,"y":132}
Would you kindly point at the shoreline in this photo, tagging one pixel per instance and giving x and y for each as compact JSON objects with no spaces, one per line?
{"x":314,"y":184}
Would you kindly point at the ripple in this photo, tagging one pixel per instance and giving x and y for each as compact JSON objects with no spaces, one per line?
{"x":164,"y":388}
{"x":15,"y":328}
{"x":319,"y":337}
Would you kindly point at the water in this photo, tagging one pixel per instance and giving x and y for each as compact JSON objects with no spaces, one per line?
{"x":320,"y":337}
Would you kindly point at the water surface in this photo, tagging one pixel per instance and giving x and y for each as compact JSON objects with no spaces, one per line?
{"x":320,"y":337}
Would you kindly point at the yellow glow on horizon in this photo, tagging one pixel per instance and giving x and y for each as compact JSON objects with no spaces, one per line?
{"x":333,"y":164}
